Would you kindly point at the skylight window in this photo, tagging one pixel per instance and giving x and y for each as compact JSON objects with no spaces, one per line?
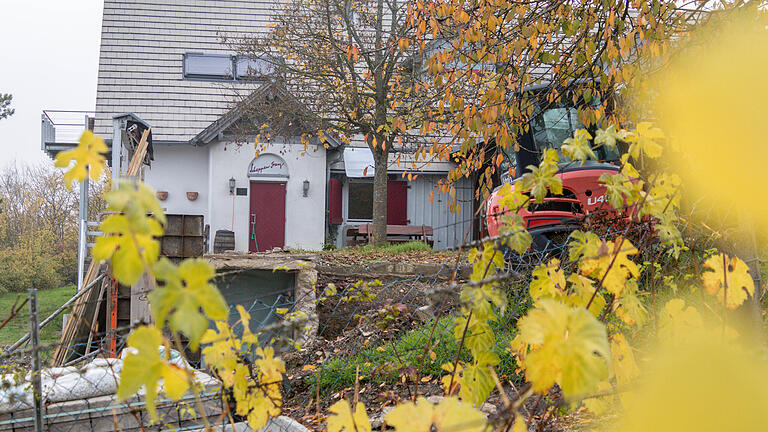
{"x":208,"y":66}
{"x":224,"y":67}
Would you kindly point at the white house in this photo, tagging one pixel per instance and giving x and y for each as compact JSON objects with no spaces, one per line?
{"x":163,"y":61}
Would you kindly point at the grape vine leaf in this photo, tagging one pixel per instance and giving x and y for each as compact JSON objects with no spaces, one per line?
{"x":344,"y":419}
{"x":729,"y":281}
{"x":568,"y":347}
{"x":88,"y":157}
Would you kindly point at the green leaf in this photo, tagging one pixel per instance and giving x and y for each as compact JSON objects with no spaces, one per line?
{"x":185,"y":292}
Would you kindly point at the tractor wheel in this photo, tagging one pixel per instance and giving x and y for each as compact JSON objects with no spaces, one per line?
{"x":548,"y":242}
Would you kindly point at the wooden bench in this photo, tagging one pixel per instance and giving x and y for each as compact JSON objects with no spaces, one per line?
{"x":395,"y":233}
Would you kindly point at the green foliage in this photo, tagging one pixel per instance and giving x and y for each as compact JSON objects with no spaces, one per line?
{"x":32,"y":266}
{"x":386,"y":361}
{"x":5,"y":105}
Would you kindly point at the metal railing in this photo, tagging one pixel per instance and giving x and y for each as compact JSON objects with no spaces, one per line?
{"x":59,"y":128}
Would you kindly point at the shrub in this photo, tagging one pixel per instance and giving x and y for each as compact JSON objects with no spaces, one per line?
{"x":25,"y":268}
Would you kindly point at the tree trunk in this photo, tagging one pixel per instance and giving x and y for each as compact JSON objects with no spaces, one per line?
{"x":380,"y":195}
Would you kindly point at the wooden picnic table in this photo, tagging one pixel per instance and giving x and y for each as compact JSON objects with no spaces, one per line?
{"x":362,"y":234}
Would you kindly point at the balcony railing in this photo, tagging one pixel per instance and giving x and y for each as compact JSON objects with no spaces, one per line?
{"x":60,"y":129}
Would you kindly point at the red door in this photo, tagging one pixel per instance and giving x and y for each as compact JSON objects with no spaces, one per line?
{"x":397,"y":202}
{"x":266,"y":225}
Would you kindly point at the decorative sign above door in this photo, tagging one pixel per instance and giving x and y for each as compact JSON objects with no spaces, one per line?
{"x":268,"y":165}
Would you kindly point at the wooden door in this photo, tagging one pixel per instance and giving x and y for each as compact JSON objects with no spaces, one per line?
{"x":266,"y":224}
{"x":397,"y":202}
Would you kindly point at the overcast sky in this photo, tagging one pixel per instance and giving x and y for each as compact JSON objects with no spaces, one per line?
{"x":49,"y":56}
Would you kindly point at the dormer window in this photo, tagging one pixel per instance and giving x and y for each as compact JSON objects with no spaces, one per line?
{"x":224,"y":67}
{"x":208,"y":66}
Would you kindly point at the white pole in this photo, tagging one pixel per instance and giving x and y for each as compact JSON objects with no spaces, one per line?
{"x":82,"y":248}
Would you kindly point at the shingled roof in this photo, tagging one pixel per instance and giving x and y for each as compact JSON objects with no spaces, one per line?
{"x":140,"y":63}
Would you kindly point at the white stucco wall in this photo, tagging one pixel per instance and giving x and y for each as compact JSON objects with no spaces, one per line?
{"x":179,"y":169}
{"x":305,"y":216}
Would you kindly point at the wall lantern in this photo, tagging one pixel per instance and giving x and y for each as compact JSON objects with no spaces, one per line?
{"x":232,"y":186}
{"x":306,"y":187}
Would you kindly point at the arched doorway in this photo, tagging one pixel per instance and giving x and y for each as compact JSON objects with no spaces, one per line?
{"x":268,"y":175}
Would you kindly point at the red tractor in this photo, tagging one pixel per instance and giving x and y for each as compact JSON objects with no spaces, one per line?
{"x":551,"y":221}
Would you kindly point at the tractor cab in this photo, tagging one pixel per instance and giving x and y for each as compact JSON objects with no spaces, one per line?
{"x":549,"y":221}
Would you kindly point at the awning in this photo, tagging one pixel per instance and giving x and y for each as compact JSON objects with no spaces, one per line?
{"x":358,"y":162}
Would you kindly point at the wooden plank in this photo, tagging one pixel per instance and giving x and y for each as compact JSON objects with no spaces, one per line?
{"x":72,"y":332}
{"x":137,"y":160}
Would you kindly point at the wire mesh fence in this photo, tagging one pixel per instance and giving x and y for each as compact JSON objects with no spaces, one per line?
{"x":380,"y":332}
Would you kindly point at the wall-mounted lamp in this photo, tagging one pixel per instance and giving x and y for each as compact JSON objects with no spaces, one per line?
{"x":306,"y":187}
{"x":232,"y":186}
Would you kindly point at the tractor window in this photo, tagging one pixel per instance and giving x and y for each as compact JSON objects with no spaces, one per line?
{"x":554,"y":126}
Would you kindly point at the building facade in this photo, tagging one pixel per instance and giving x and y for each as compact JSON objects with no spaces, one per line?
{"x":165,"y":62}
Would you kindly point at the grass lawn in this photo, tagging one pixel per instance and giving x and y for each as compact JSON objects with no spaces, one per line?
{"x":47,"y":300}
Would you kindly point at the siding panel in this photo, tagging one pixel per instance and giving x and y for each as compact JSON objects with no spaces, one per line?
{"x":449,"y":228}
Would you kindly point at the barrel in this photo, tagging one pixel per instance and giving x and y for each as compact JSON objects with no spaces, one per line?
{"x":223,"y":241}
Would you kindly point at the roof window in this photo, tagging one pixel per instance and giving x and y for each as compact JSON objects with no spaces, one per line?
{"x":224,"y":67}
{"x":207,"y":66}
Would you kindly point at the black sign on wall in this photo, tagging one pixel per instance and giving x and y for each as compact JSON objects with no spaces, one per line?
{"x":242,"y":191}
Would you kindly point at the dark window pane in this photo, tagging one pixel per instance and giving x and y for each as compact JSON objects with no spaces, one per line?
{"x":207,"y":66}
{"x":360,"y":201}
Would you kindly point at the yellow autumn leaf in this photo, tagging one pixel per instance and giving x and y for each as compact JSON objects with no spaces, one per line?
{"x":645,"y":140}
{"x":578,"y":147}
{"x":245,"y":321}
{"x":271,"y":368}
{"x":729,"y":281}
{"x":452,"y":415}
{"x":144,"y":367}
{"x":604,"y":402}
{"x":515,"y":235}
{"x":582,"y":291}
{"x":704,"y":385}
{"x":343,"y":419}
{"x":567,"y":346}
{"x":520,"y":424}
{"x":129,"y":235}
{"x":723,"y":59}
{"x":411,"y":417}
{"x":449,"y":415}
{"x":625,"y":368}
{"x":176,"y":381}
{"x":628,"y":306}
{"x":88,"y":157}
{"x":677,"y":322}
{"x":610,"y":263}
{"x":548,"y":281}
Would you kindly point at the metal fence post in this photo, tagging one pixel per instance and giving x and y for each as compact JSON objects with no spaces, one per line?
{"x":34,"y":336}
